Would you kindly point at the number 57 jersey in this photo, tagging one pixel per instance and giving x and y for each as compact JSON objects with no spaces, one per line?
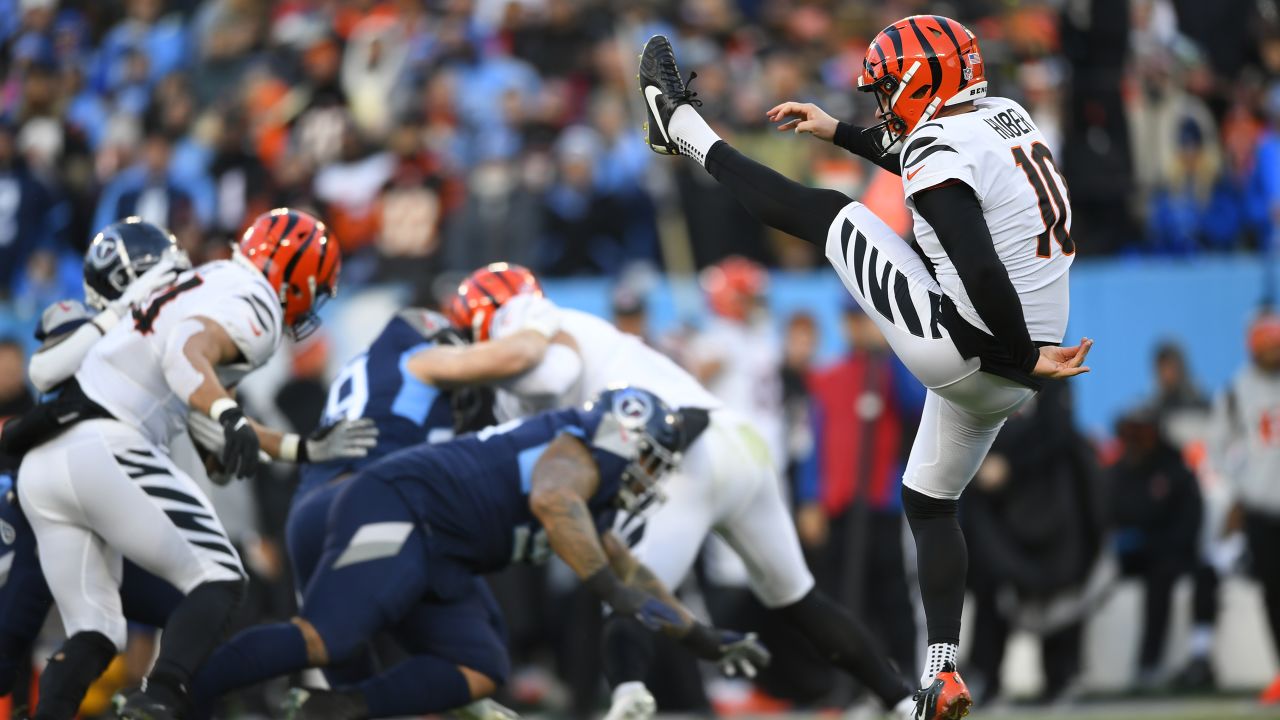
{"x":999,"y":152}
{"x":138,"y":372}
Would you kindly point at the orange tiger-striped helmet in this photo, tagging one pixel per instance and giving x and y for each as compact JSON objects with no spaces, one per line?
{"x":916,"y":66}
{"x":299,"y":258}
{"x":484,"y":291}
{"x":734,"y":286}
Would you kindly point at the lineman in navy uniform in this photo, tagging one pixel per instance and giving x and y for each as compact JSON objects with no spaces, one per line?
{"x":402,"y":384}
{"x":421,"y":524}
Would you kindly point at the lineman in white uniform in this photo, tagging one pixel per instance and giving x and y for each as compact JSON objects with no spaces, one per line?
{"x":993,"y":219}
{"x":726,"y":483}
{"x":106,"y":488}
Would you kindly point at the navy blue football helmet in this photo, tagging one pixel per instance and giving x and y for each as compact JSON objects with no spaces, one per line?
{"x":120,"y":253}
{"x":641,"y":427}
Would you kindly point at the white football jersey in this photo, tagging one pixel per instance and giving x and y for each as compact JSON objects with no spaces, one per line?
{"x":999,"y":152}
{"x":750,"y":377}
{"x":611,"y":357}
{"x":124,"y":372}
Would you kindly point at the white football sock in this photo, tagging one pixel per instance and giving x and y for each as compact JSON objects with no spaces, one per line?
{"x":938,"y":655}
{"x":694,"y":136}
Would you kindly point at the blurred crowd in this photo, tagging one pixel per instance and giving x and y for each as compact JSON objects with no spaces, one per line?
{"x":435,"y":135}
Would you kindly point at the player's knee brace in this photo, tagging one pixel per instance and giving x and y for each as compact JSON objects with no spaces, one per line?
{"x":70,"y":671}
{"x":918,"y":506}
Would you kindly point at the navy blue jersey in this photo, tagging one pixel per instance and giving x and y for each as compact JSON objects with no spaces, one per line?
{"x":378,"y":385}
{"x":473,"y":492}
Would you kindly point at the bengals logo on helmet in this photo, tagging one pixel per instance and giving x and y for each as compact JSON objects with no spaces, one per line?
{"x":299,"y":258}
{"x":917,"y":66}
{"x":484,"y":291}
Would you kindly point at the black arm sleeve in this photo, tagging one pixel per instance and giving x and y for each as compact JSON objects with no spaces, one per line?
{"x":953,"y":211}
{"x":853,"y":139}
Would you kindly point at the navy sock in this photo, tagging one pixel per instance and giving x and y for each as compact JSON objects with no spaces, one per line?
{"x":252,"y":656}
{"x":421,"y":685}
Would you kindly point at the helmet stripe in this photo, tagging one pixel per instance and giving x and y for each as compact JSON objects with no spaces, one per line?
{"x":297,"y":257}
{"x":880,"y":53}
{"x":503,"y":277}
{"x":895,"y":37}
{"x":290,"y":221}
{"x":475,"y":283}
{"x":324,"y":251}
{"x":935,"y":66}
{"x":945,"y":24}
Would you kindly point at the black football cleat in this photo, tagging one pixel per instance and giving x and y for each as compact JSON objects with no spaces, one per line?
{"x":313,"y":704}
{"x":664,"y":91}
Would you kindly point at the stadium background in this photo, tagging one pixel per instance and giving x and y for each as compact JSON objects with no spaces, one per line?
{"x":437,"y":136}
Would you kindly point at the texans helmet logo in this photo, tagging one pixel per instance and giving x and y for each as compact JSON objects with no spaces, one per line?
{"x":103,"y":254}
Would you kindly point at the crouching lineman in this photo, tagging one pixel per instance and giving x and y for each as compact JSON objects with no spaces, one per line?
{"x":410,"y":382}
{"x":105,"y":488}
{"x":421,"y":524}
{"x":727,"y":484}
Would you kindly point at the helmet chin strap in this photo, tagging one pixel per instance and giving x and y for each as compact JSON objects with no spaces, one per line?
{"x":928,"y":112}
{"x":902,"y":84}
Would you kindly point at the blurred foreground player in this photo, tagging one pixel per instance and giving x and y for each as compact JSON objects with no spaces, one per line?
{"x":105,"y":487}
{"x":993,"y":219}
{"x":420,"y":525}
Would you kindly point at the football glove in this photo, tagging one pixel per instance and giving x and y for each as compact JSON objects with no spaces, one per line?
{"x":736,"y":653}
{"x":342,"y":440}
{"x":159,"y":275}
{"x":240,"y":441}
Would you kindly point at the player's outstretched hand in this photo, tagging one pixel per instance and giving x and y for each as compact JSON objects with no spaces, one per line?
{"x":741,"y":654}
{"x":159,"y":275}
{"x":805,"y":118}
{"x":1056,"y":363}
{"x":341,"y":440}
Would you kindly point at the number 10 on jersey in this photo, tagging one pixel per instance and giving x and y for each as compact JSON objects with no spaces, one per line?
{"x":1051,"y":192}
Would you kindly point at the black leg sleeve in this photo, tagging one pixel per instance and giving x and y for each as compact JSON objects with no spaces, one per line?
{"x":943,"y":562}
{"x":628,"y":650}
{"x":844,"y":641}
{"x":194,"y":629}
{"x":774,"y":199}
{"x":70,"y":672}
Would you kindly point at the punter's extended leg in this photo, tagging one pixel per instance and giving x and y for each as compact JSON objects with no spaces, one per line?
{"x":675,"y":128}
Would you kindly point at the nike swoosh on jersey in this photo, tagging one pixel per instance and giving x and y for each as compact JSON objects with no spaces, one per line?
{"x":911,"y":175}
{"x":650,"y":95}
{"x":256,"y":331}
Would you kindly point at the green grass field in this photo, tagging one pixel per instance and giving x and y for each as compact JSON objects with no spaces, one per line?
{"x":1162,"y":709}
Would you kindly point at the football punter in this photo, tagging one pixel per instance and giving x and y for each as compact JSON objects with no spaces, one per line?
{"x":993,"y":219}
{"x":726,"y":484}
{"x":419,"y":526}
{"x":105,"y":488}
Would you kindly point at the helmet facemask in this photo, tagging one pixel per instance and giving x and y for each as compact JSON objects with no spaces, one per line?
{"x":640,"y":489}
{"x":887,"y":136}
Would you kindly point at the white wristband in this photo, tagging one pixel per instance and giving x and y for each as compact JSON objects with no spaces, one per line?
{"x":220,"y":406}
{"x":289,"y":447}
